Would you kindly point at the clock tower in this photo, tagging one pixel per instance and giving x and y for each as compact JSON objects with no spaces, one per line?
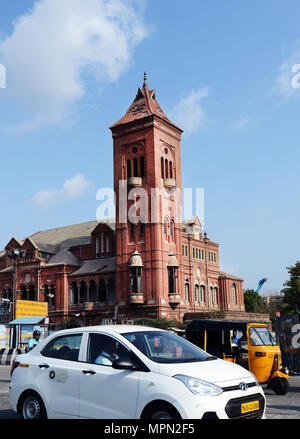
{"x":147,"y":185}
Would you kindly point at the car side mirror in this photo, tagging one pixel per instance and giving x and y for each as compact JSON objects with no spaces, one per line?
{"x":123,"y":364}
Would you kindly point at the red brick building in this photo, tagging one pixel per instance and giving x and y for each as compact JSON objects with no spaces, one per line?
{"x":153,"y":266}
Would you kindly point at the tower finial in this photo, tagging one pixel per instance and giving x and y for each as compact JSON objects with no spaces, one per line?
{"x":145,"y":80}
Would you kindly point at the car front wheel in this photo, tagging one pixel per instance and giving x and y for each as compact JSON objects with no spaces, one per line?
{"x":32,"y":407}
{"x":161,"y":411}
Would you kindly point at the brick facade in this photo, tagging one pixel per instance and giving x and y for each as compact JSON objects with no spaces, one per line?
{"x":107,"y":270}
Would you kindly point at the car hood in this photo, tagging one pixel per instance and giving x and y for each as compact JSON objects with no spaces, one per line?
{"x":213,"y":371}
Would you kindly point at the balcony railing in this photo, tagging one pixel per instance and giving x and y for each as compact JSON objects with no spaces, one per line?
{"x":135,"y":181}
{"x":169,"y":183}
{"x":137,"y":299}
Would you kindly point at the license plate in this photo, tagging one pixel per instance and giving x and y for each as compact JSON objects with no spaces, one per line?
{"x":250,"y":407}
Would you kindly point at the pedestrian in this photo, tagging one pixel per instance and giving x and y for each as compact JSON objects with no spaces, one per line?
{"x":34,"y":340}
{"x":234,"y":337}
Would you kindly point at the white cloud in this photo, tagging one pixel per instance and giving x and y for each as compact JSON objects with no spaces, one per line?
{"x":71,"y":189}
{"x":58,"y":44}
{"x":240,"y":124}
{"x":189,"y":113}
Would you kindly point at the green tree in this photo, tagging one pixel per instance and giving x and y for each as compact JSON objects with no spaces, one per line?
{"x":253,"y":302}
{"x":292,"y":288}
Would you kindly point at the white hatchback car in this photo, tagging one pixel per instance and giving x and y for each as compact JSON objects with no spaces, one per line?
{"x":119,"y":372}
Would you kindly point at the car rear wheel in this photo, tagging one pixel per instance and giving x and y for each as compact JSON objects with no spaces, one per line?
{"x":32,"y":407}
{"x":161,"y":411}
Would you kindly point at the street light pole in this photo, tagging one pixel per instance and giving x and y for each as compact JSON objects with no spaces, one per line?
{"x":15,"y":254}
{"x":14,"y":289}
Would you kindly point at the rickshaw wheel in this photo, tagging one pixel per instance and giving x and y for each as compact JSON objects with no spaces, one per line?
{"x":279,"y":385}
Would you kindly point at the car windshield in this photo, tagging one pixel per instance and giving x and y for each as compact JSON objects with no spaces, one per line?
{"x":261,"y":337}
{"x":165,"y":347}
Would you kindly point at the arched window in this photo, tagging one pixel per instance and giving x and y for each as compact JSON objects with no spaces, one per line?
{"x":31,"y":293}
{"x":83,"y":292}
{"x":24,"y":292}
{"x":111,"y":291}
{"x":196,"y":293}
{"x":136,"y":280}
{"x":97,"y":248}
{"x":166,"y":222}
{"x":102,"y":243}
{"x":214,"y":294}
{"x":142,"y":229}
{"x":52,"y":295}
{"x":46,"y":293}
{"x":92,"y":291}
{"x":170,"y":169}
{"x":172,"y":230}
{"x":107,"y":246}
{"x":135,"y":167}
{"x":234,"y":298}
{"x":142,"y":167}
{"x":186,"y":291}
{"x":162,"y":167}
{"x":166,"y":169}
{"x":128,"y":168}
{"x":102,"y":291}
{"x":131,"y":230}
{"x":202,"y":294}
{"x":74,"y":293}
{"x":173,"y":274}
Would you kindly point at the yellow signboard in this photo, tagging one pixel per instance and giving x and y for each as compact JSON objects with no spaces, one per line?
{"x":27,"y":308}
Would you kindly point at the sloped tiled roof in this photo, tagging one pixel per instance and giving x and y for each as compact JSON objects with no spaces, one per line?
{"x":64,"y":256}
{"x":8,"y":269}
{"x":68,"y":236}
{"x":93,"y":266}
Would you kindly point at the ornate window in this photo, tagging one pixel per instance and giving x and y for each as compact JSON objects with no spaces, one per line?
{"x":136,"y":280}
{"x":166,"y":222}
{"x":172,"y":229}
{"x":214,"y":295}
{"x":202,"y":294}
{"x":102,"y":291}
{"x":234,"y":298}
{"x":186,"y":291}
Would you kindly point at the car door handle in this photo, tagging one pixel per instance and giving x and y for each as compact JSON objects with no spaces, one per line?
{"x":89,"y":372}
{"x":44,"y":366}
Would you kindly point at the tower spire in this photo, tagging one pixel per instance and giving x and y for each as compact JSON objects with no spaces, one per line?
{"x":145,"y":80}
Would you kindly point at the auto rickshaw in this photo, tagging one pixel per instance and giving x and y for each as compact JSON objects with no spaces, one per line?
{"x":256,"y":349}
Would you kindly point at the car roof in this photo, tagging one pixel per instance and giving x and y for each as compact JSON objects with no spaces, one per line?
{"x":119,"y":329}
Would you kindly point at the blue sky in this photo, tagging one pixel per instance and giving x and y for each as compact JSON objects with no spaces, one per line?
{"x":222,"y":71}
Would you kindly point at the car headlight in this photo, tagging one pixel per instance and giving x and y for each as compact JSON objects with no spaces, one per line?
{"x":199,"y":387}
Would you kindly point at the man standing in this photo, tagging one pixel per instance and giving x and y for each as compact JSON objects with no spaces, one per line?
{"x":34,"y":340}
{"x":234,"y":338}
